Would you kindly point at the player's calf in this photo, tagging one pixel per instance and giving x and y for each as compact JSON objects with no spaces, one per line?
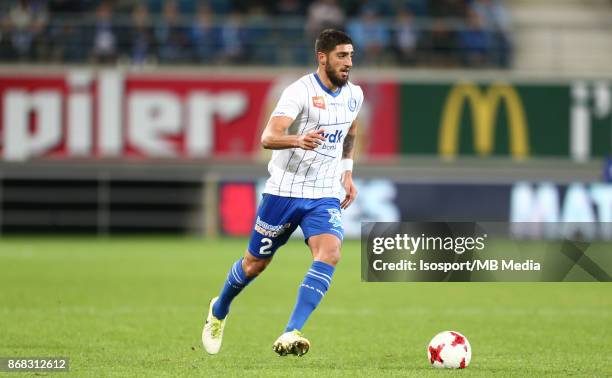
{"x":253,"y":266}
{"x":236,"y":281}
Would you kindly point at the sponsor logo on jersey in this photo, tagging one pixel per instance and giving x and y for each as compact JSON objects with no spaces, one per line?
{"x":318,"y":102}
{"x":332,"y":140}
{"x":335,"y":137}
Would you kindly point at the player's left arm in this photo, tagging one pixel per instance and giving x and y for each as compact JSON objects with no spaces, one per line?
{"x":347,"y":166}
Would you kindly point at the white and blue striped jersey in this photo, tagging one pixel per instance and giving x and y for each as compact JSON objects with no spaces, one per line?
{"x":299,"y":173}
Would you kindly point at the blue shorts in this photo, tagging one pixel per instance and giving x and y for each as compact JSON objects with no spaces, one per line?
{"x":277,"y":218}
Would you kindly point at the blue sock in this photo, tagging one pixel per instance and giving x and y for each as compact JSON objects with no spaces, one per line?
{"x":313,"y":288}
{"x":236,"y":281}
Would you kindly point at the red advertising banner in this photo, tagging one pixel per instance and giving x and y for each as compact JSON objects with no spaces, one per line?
{"x":379,"y":134}
{"x":111,"y":114}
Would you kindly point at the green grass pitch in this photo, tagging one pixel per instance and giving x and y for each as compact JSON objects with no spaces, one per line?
{"x":135,"y":306}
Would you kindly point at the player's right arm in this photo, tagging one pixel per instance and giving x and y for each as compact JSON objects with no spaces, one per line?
{"x":275,"y":137}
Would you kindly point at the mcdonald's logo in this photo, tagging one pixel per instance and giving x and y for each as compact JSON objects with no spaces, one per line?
{"x":484,"y":106}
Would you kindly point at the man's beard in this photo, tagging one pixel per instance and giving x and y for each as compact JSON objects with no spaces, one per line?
{"x":334,"y":78}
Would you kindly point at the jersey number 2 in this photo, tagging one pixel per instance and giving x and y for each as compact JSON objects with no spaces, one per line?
{"x":265,"y":248}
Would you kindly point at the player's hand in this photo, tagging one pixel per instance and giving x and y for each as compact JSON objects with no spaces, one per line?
{"x":349,"y":188}
{"x":311,"y":140}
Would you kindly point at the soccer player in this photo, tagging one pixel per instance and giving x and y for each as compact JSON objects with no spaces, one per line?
{"x":312,"y":132}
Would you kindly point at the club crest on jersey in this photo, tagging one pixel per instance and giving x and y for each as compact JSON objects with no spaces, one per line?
{"x":318,"y":102}
{"x":352,"y":104}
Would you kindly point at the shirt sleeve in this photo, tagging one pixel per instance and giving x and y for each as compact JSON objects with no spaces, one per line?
{"x":291,"y":102}
{"x":359,"y":99}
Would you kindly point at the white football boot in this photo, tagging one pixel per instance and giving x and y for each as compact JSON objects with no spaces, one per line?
{"x":291,"y":343}
{"x":212,"y":334}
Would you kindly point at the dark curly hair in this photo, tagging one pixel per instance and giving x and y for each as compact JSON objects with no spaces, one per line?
{"x":328,"y":39}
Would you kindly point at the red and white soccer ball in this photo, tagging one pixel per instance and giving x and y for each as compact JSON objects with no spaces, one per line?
{"x":449,"y":349}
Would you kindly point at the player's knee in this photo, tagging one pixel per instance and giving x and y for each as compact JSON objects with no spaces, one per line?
{"x":253,"y":266}
{"x":329,"y":255}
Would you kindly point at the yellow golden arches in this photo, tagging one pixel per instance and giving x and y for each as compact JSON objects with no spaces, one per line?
{"x":484,"y":106}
